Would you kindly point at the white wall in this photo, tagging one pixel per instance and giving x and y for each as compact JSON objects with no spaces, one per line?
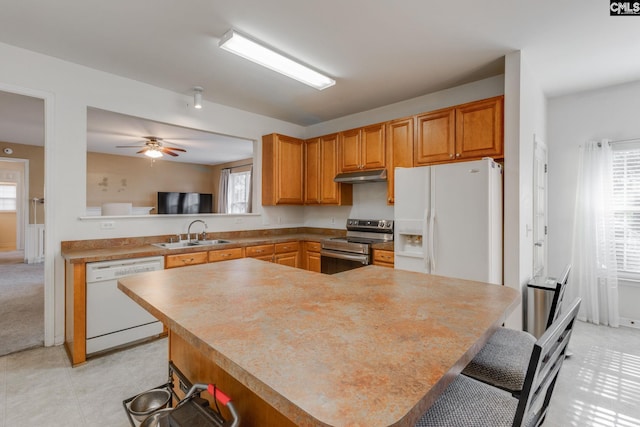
{"x":611,"y":113}
{"x":525,"y":116}
{"x":68,"y":90}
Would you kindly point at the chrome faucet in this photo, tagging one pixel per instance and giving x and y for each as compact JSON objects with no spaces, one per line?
{"x":203,"y":234}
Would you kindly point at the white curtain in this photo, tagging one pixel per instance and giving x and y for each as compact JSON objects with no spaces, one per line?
{"x":594,"y":276}
{"x":223,"y":191}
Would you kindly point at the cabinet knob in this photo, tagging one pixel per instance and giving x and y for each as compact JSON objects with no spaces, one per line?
{"x":457,"y":154}
{"x":451,"y":156}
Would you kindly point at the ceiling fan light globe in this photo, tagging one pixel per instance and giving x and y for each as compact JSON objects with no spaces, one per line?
{"x":154,"y":154}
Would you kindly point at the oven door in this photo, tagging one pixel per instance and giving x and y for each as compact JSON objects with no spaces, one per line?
{"x":332,"y":262}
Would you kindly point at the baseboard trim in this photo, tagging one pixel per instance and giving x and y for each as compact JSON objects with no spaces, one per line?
{"x":630,"y":323}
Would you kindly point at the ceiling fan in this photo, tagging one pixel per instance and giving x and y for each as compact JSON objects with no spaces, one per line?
{"x":153,"y":148}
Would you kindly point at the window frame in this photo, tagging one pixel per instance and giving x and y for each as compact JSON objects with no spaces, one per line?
{"x":231,"y":201}
{"x":626,"y":208}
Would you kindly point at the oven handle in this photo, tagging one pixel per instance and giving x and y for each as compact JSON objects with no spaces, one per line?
{"x":364,"y":259}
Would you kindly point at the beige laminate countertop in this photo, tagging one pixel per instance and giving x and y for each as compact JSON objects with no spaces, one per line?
{"x":370,"y":347}
{"x":90,"y":254}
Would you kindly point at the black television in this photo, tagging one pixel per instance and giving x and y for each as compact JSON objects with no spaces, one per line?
{"x":171,"y":202}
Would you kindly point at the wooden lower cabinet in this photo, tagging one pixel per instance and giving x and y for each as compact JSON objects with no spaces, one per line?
{"x":182,"y":260}
{"x":287,"y":254}
{"x":383,"y":258}
{"x":225,"y":254}
{"x":262,"y":252}
{"x":312,"y":256}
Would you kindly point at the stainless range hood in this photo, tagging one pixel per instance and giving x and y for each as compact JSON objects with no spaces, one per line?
{"x":361,"y":177}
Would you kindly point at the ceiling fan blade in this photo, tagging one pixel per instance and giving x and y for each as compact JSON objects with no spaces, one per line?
{"x":175,"y":149}
{"x":169,"y":153}
{"x":144,"y":150}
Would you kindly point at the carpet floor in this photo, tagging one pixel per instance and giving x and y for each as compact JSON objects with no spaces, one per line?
{"x":21,"y":306}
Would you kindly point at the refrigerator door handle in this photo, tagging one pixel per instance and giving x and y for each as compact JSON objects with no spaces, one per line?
{"x":432,"y":255}
{"x":425,"y":239}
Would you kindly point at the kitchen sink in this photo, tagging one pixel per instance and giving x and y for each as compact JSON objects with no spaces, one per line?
{"x":191,"y":243}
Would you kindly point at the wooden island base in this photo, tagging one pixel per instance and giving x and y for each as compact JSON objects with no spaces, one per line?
{"x":197,"y":368}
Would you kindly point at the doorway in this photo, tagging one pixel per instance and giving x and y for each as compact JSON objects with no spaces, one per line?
{"x":22,"y":287}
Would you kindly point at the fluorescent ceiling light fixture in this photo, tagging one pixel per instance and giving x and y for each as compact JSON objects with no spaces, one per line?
{"x":197,"y":97}
{"x":250,"y":49}
{"x":154,"y":153}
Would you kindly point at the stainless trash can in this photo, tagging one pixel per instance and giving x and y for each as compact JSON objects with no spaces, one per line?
{"x":539,"y":300}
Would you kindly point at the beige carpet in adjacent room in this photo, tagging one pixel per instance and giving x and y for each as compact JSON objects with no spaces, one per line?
{"x":21,"y":306}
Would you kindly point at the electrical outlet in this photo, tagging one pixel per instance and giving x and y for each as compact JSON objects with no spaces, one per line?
{"x":107,"y":225}
{"x":238,"y":220}
{"x":333,"y":220}
{"x":279,"y":220}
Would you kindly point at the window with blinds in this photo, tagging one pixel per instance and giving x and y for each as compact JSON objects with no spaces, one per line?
{"x":626,"y":197}
{"x":8,"y":195}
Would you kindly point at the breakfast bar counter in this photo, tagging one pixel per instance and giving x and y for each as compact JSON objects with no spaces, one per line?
{"x":369,"y":347}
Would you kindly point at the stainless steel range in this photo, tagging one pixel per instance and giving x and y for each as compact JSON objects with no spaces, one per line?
{"x":346,"y":253}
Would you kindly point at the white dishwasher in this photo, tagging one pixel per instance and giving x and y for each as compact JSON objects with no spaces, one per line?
{"x":114,"y":319}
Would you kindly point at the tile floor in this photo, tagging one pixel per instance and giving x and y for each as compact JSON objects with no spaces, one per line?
{"x":598,"y":386}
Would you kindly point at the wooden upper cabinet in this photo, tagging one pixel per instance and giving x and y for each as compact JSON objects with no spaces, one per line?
{"x":479,"y":129}
{"x":312,"y":171}
{"x":332,"y":193}
{"x":322,"y":165}
{"x":363,"y":148}
{"x":399,"y":134}
{"x":435,"y":137}
{"x":282,"y":170}
{"x":373,"y":146}
{"x":350,"y":141}
{"x":464,"y":132}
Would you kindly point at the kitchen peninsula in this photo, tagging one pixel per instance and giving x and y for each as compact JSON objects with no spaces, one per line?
{"x":369,"y":347}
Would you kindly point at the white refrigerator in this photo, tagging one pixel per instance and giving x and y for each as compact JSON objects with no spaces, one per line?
{"x":448,"y":220}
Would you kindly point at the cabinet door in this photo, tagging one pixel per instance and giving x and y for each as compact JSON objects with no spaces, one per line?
{"x":329,"y":190}
{"x":290,"y":158}
{"x":436,"y":137}
{"x":312,"y":256}
{"x":314,"y":176}
{"x":350,"y":150}
{"x":288,"y":253}
{"x":373,"y":147}
{"x":479,"y":128}
{"x":383,"y":258}
{"x":399,"y":136}
{"x":290,"y":259}
{"x":282,"y":170}
{"x":313,"y":261}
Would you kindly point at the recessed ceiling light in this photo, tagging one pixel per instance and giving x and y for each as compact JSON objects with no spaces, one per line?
{"x":254,"y":51}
